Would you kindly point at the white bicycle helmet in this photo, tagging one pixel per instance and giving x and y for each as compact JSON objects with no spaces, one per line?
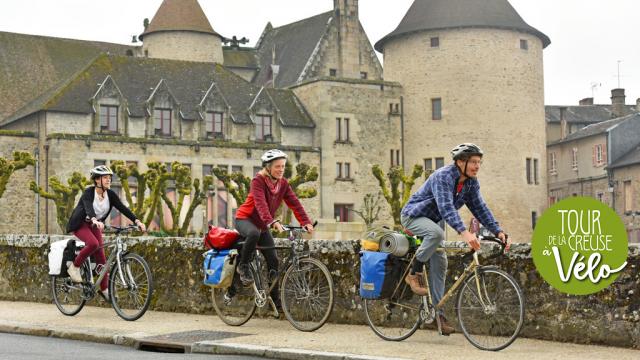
{"x":271,"y":155}
{"x":99,"y":171}
{"x":466,"y":149}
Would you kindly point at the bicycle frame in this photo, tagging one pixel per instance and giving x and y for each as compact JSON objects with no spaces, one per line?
{"x":115,"y":258}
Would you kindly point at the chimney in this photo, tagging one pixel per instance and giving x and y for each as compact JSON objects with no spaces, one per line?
{"x":346,"y":17}
{"x":563,"y":123}
{"x":586,"y":101}
{"x":617,"y":103}
{"x":638,"y":105}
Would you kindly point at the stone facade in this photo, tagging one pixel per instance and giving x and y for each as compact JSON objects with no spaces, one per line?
{"x":491,"y":95}
{"x":626,"y":186}
{"x":372,"y":133}
{"x":611,"y":316}
{"x":183,"y":45}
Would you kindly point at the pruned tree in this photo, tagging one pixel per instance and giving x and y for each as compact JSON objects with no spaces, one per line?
{"x":20,"y":161}
{"x":124,"y":172}
{"x":370,"y":210}
{"x":63,"y":196}
{"x":392,"y":192}
{"x":237,"y":184}
{"x":304,"y":174}
{"x":185,"y":186}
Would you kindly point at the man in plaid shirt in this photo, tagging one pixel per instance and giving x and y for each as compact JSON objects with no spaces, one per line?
{"x":438,"y":198}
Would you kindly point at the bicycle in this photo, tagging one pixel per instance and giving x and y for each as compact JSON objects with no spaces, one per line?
{"x":306,"y":291}
{"x":489,"y":304}
{"x":130,"y":282}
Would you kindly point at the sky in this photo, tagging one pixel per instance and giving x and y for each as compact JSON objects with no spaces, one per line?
{"x":590,"y":39}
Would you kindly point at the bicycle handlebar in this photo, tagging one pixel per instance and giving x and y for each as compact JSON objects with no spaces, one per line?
{"x":120,"y":229}
{"x":300,"y":228}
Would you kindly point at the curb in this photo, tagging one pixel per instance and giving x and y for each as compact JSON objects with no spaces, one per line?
{"x":203,"y":347}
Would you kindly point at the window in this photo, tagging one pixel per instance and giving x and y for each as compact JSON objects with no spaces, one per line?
{"x":339,"y":170}
{"x":552,"y":200}
{"x":435,"y":42}
{"x":628,"y":196}
{"x":428,"y":164}
{"x":553,"y":164}
{"x":395,"y":157}
{"x":599,"y":155}
{"x":363,"y":75}
{"x":333,"y":72}
{"x":534,"y":218}
{"x":342,"y":130}
{"x":347,"y":170}
{"x":99,"y":162}
{"x":263,"y":127}
{"x":108,"y":118}
{"x":342,"y":212}
{"x":574,"y":159}
{"x":436,"y":109}
{"x":162,"y":118}
{"x":256,"y":170}
{"x":236,"y":169}
{"x":524,"y":44}
{"x":213,"y":124}
{"x":439,"y":162}
{"x":535,"y":172}
{"x":529,"y":171}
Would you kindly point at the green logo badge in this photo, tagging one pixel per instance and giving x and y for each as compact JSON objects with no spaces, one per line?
{"x":579,"y":246}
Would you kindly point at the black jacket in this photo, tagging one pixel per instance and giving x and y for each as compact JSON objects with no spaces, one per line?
{"x":84,"y":210}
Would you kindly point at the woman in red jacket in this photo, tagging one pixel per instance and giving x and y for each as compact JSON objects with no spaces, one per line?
{"x":254,"y":218}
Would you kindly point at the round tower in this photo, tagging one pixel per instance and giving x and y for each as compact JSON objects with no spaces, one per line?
{"x":181,"y":31}
{"x":472,"y":72}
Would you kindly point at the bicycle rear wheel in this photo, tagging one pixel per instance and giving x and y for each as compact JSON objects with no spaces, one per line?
{"x":490,"y":307}
{"x":236,"y":304}
{"x":307,"y":294}
{"x":396,"y":318}
{"x":131,"y":290}
{"x":69,"y":296}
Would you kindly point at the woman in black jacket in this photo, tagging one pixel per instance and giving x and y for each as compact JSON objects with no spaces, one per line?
{"x":87,"y":222}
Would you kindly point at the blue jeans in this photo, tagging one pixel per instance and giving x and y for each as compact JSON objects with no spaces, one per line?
{"x":432,"y":238}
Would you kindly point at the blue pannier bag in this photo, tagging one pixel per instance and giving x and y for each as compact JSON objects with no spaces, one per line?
{"x":219,"y":267}
{"x":379,"y":274}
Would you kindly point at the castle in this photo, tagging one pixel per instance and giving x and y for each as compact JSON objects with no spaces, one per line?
{"x":454,"y":71}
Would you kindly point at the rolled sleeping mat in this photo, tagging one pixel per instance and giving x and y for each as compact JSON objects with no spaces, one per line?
{"x":394,"y":243}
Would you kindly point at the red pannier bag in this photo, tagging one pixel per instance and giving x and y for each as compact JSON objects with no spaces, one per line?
{"x":220,"y":238}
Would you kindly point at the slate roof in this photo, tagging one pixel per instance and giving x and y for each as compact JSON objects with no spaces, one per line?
{"x":450,"y":14}
{"x":187,"y":81}
{"x":31,"y":64}
{"x":294,"y":45}
{"x":630,"y":158}
{"x":593,"y":129}
{"x":175,"y":15}
{"x":240,"y":57}
{"x":586,"y":114}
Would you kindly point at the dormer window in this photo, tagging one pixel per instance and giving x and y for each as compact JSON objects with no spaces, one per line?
{"x":162,"y":120}
{"x":108,"y":118}
{"x":214,"y":125}
{"x":263,"y":128}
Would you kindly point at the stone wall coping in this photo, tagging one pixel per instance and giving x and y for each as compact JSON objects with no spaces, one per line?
{"x":518,"y":250}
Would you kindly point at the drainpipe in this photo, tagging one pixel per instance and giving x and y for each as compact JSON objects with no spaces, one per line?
{"x":46,"y":184}
{"x":402,"y":129}
{"x":37,"y":176}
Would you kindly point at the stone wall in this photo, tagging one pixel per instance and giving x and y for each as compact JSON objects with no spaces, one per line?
{"x":610,"y":317}
{"x":183,"y":45}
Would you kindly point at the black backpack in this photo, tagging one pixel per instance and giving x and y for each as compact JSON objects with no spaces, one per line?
{"x":69,"y":254}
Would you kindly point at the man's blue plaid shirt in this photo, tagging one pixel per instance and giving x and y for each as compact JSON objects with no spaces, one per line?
{"x":437,"y":199}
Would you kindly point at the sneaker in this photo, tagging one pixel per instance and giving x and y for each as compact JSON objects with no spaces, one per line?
{"x":416,"y":286}
{"x":104,"y":294}
{"x":245,"y":274}
{"x":74,"y":273}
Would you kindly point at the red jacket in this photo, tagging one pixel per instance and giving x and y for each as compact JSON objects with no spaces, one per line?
{"x":264,"y":200}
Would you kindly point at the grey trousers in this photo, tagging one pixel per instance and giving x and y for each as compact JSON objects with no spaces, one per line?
{"x":433,"y":237}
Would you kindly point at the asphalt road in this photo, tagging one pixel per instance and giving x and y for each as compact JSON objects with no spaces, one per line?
{"x":22,"y":347}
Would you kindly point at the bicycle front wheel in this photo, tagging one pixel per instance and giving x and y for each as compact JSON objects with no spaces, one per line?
{"x":131,"y":289}
{"x":396,"y":318}
{"x":307,"y":294}
{"x":67,"y":295}
{"x":236,"y":304}
{"x":490,"y":307}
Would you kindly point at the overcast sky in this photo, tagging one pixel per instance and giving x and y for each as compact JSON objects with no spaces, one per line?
{"x":588,"y":37}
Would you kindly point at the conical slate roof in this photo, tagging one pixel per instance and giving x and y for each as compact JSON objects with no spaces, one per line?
{"x":450,"y":14}
{"x":185,"y":15}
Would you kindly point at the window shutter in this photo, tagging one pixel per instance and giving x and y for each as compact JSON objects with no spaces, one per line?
{"x":594,"y":157}
{"x":604,"y":154}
